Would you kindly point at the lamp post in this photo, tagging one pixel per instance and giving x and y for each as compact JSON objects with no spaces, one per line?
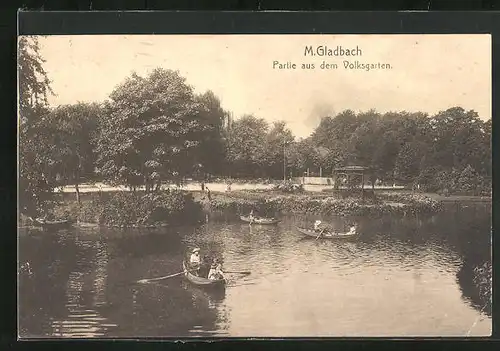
{"x":284,"y":160}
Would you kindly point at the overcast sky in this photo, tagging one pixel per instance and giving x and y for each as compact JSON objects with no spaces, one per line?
{"x":429,"y":72}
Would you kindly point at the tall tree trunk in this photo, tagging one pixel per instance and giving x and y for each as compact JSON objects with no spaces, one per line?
{"x":77,"y":188}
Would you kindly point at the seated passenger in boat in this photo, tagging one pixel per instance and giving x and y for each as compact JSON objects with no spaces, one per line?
{"x":352,"y":230}
{"x":204,"y":266}
{"x":317,"y":226}
{"x":215,"y":271}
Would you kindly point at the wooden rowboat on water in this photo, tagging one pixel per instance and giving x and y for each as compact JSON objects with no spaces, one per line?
{"x":326,"y":234}
{"x":200,"y":281}
{"x":260,"y":220}
{"x":58,"y":224}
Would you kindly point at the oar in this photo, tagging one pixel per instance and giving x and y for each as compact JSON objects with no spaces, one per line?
{"x":320,"y":234}
{"x":241,"y":272}
{"x":160,"y":278}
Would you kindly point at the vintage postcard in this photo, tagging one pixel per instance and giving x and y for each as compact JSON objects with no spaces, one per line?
{"x":254,"y":186}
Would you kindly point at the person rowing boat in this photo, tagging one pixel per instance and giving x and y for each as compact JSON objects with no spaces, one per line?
{"x":352,"y":230}
{"x":195,"y":260}
{"x":251,"y":217}
{"x":317,"y":225}
{"x":319,"y":228}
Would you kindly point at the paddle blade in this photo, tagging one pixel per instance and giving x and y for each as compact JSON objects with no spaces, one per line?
{"x":244,"y":272}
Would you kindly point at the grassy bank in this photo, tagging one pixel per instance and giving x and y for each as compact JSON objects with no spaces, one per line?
{"x":270,"y":203}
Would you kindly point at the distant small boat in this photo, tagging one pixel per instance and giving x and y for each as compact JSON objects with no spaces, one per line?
{"x":260,"y":220}
{"x":87,"y":225}
{"x":200,"y":281}
{"x":58,"y":224}
{"x":326,"y":235}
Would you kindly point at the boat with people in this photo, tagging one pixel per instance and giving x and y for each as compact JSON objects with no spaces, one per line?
{"x":326,"y":234}
{"x":259,"y":220}
{"x":55,"y":224}
{"x":201,"y":281}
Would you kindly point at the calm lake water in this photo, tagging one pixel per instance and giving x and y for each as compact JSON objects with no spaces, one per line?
{"x":400,"y":277}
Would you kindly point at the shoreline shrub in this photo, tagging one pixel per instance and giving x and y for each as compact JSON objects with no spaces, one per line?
{"x":138,"y":208}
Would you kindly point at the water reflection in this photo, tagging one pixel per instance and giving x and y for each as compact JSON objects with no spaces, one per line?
{"x":85,"y":293}
{"x":424,"y":276}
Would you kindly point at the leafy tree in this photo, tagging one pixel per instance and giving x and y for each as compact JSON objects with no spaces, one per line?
{"x":37,"y":177}
{"x":457,"y":138}
{"x":73,"y":133}
{"x":399,"y":134}
{"x":212,"y":146}
{"x":445,"y":180}
{"x":331,"y":130}
{"x":246,"y":146}
{"x":36,"y":181}
{"x":278,"y":139}
{"x":34,"y":84}
{"x":300,"y":155}
{"x":408,"y":160}
{"x":469,"y":180}
{"x":321,"y":158}
{"x":484,"y":151}
{"x":364,"y":138}
{"x":153,"y":131}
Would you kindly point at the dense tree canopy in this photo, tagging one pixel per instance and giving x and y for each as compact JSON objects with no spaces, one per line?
{"x":413,"y":147}
{"x":156,"y":129}
{"x":212,"y":157}
{"x":34,"y":84}
{"x":153,"y":131}
{"x":72,"y":130}
{"x":245,"y":146}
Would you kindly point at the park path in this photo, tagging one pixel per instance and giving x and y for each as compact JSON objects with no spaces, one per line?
{"x":217,"y":187}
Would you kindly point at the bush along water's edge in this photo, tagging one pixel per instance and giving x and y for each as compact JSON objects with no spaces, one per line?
{"x":141,"y":210}
{"x":271,"y":204}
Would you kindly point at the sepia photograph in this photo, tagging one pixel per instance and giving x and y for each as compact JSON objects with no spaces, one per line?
{"x":199,"y":186}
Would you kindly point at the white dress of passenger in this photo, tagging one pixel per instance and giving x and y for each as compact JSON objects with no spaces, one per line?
{"x":215,"y":273}
{"x":195,"y":258}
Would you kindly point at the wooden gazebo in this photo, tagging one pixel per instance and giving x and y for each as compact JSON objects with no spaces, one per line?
{"x":348,"y":172}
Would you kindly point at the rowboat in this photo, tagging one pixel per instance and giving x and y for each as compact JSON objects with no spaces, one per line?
{"x":59,"y":224}
{"x":326,"y":235}
{"x":260,"y":220}
{"x":200,"y":281}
